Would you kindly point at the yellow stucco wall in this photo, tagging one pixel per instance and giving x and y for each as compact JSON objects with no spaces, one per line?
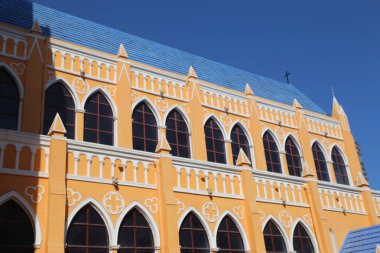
{"x":55,"y":177}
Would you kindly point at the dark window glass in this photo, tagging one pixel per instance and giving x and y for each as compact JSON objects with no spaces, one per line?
{"x":274,"y":242}
{"x":272,"y":156}
{"x":301,"y":240}
{"x":9,"y":101}
{"x":87,"y":232}
{"x":16,"y":231}
{"x":177,"y":134}
{"x":135,"y":234}
{"x":293,"y":158}
{"x":214,"y":142}
{"x":340,"y":169}
{"x":239,"y":141}
{"x":192,"y":236}
{"x":228,"y":238}
{"x":144,"y":128}
{"x":98,"y":120}
{"x":58,"y":100}
{"x":320,"y":163}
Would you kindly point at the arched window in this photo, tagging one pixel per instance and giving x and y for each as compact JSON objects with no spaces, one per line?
{"x":214,"y":142}
{"x":293,"y":158}
{"x":274,"y":242}
{"x":272,"y":156}
{"x":98,"y":120}
{"x":58,"y":100}
{"x":177,"y":134}
{"x":135,"y":234}
{"x":229,"y":239}
{"x":301,"y":240}
{"x":239,"y":141}
{"x":320,"y":163}
{"x":16,"y":231}
{"x":192,"y":236}
{"x":9,"y":101}
{"x":144,"y":128}
{"x":340,"y":169}
{"x":87,"y":232}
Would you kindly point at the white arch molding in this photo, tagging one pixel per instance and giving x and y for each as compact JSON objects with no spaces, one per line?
{"x":247,"y":135}
{"x":148,"y":217}
{"x":211,"y":240}
{"x":313,"y":240}
{"x":223,"y":130}
{"x":238,"y":225}
{"x":278,"y":144}
{"x":20,"y":88}
{"x":325,"y":154}
{"x":187,"y":122}
{"x":102,"y":213}
{"x":113,"y":107}
{"x":298,"y":146}
{"x":280,"y":228}
{"x":13,"y":195}
{"x":345,"y":159}
{"x":151,"y":107}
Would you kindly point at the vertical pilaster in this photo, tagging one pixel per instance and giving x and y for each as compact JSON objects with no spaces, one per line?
{"x":79,"y":114}
{"x":56,"y":218}
{"x":34,"y":82}
{"x":284,"y":162}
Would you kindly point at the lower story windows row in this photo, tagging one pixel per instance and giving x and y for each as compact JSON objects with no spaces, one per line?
{"x":88,"y":232}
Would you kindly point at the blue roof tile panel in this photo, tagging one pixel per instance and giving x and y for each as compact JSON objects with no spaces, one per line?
{"x":363,"y":240}
{"x":72,"y":29}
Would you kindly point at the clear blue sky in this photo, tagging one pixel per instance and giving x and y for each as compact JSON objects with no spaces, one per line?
{"x":322,"y":43}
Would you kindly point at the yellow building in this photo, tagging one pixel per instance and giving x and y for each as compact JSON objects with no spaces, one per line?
{"x":112,"y":143}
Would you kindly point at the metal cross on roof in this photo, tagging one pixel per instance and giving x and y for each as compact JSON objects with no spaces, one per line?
{"x":286,"y":76}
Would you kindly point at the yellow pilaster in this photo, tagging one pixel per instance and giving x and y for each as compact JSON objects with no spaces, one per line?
{"x":55,"y":241}
{"x":167,"y":202}
{"x":79,"y":124}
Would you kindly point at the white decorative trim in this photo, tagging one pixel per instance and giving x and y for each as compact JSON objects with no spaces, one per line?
{"x":69,"y":87}
{"x":18,"y":68}
{"x":151,"y":107}
{"x":113,"y":202}
{"x":148,"y":217}
{"x":35,"y":193}
{"x":81,"y":86}
{"x":285,"y":218}
{"x":73,"y":197}
{"x":180,"y":205}
{"x":161,"y":104}
{"x":280,"y":228}
{"x":13,"y":195}
{"x":206,"y":208}
{"x":238,"y":211}
{"x":152,"y":204}
{"x":308,"y":231}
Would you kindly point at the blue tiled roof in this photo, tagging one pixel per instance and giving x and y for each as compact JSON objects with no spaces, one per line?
{"x":362,"y":240}
{"x":72,"y":29}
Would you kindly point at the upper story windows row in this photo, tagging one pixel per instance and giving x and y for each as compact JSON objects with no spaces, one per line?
{"x":99,"y":127}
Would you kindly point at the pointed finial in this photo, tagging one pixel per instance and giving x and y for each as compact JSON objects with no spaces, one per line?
{"x":378,"y":248}
{"x":36,"y":27}
{"x":307,"y":172}
{"x":361,"y":181}
{"x":122,"y":52}
{"x":192,"y":73}
{"x":332,"y":91}
{"x":163,"y":145}
{"x":242,"y":159}
{"x":248,"y":90}
{"x":297,"y":104}
{"x":57,"y":127}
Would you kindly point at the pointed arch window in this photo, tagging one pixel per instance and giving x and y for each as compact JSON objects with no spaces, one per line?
{"x":274,"y":242}
{"x":214,"y":142}
{"x":272,"y":156}
{"x":193,"y":236}
{"x":239,"y":141}
{"x":293,"y":158}
{"x":135,"y":234}
{"x":320,"y":163}
{"x":9,"y":101}
{"x":16,"y":230}
{"x":144,"y":128}
{"x":87,"y":232}
{"x":177,"y":134}
{"x":301,"y":240}
{"x":98,"y":120}
{"x":340,"y":168}
{"x":59,"y":100}
{"x":229,"y":239}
